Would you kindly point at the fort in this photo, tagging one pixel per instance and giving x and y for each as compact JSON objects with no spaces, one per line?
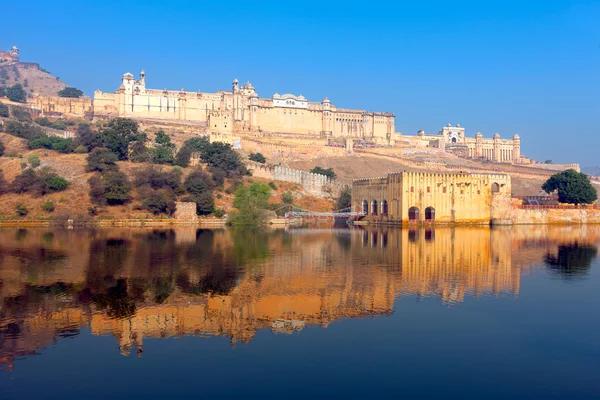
{"x":9,"y":57}
{"x":249,"y":113}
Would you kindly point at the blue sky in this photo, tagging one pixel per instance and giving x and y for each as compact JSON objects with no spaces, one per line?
{"x":526,"y":67}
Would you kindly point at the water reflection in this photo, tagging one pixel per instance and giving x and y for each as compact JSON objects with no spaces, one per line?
{"x":137,"y":283}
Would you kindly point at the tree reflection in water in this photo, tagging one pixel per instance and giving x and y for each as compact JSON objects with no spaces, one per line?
{"x":572,"y":261}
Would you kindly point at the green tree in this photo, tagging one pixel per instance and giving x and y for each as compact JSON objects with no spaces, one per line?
{"x":118,"y":134}
{"x":4,"y":111}
{"x":251,"y":203}
{"x":322,"y":171}
{"x":163,"y":153}
{"x":70,"y":92}
{"x":101,"y":159}
{"x":287,"y":198}
{"x":573,"y":187}
{"x":257,"y":157}
{"x":117,"y":188}
{"x":156,"y":202}
{"x":345,"y":199}
{"x":16,"y":93}
{"x":87,"y":137}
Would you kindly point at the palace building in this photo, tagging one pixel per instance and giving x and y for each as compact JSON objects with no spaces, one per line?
{"x":286,"y":113}
{"x":415,"y":197}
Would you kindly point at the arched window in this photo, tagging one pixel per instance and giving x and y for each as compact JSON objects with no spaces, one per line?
{"x":384,"y":207}
{"x":374,"y":207}
{"x":412,"y":189}
{"x":430,"y":214}
{"x":495,"y":188}
{"x":365,"y":207}
{"x":413,"y":214}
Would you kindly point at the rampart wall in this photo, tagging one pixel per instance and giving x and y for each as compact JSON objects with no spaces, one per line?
{"x":316,"y":184}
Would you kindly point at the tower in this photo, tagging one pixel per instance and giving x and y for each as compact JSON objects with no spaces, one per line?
{"x":497,"y":154}
{"x":478,"y":145}
{"x":326,"y":118}
{"x":143,"y":79}
{"x":516,"y":155}
{"x":14,"y":52}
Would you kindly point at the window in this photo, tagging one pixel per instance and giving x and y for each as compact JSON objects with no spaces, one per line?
{"x":444,"y":189}
{"x":428,"y":189}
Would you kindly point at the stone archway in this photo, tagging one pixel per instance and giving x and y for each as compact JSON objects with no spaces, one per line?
{"x":430,"y":214}
{"x":413,"y":214}
{"x":365,"y":207}
{"x":374,"y":207}
{"x":495,"y":188}
{"x":384,"y":207}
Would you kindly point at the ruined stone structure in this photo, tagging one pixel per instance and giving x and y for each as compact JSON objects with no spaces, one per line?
{"x":9,"y":57}
{"x":58,"y":106}
{"x":281,"y":113}
{"x":412,"y":197}
{"x":453,"y":139}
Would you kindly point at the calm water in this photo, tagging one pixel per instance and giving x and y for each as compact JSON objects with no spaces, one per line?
{"x":467,"y":312}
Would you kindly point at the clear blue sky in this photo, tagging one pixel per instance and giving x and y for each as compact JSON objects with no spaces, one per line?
{"x":527,"y":67}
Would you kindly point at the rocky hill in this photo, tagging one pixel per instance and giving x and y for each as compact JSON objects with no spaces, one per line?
{"x":33,"y":78}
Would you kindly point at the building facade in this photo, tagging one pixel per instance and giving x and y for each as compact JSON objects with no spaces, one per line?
{"x":415,"y":197}
{"x":286,"y":113}
{"x":452,"y":138}
{"x":58,"y":106}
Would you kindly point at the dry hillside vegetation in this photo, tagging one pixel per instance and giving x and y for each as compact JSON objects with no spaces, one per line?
{"x":33,"y":80}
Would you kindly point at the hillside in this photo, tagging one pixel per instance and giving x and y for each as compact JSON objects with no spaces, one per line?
{"x":33,"y":79}
{"x":75,"y":201}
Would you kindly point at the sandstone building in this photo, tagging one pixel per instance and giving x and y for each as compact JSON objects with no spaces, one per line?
{"x":286,"y":113}
{"x":411,"y":197}
{"x":55,"y":106}
{"x":453,"y":139}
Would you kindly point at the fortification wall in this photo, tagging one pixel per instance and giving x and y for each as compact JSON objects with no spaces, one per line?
{"x":316,"y":184}
{"x":556,"y":167}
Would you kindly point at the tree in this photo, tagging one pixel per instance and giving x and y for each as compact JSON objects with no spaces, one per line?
{"x":16,"y":93}
{"x":287,"y":198}
{"x":70,"y":92}
{"x":345,"y":199}
{"x":21,"y":210}
{"x":87,"y":137}
{"x":573,"y":187}
{"x":252,"y":203}
{"x":117,"y":187}
{"x":101,"y":159}
{"x":197,"y":183}
{"x":163,"y":152}
{"x":2,"y":148}
{"x":118,"y":134}
{"x":4,"y":111}
{"x":322,"y":171}
{"x":156,"y":202}
{"x":257,"y":157}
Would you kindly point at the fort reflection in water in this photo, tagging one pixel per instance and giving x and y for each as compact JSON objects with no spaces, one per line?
{"x":137,"y":283}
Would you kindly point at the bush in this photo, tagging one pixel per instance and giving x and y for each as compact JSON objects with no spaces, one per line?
{"x":198,"y":182}
{"x":56,"y":183}
{"x":272,"y":185}
{"x":156,"y":202}
{"x":117,"y":188}
{"x":22,"y":210}
{"x":257,"y":157}
{"x":101,"y":159}
{"x":4,"y":186}
{"x":87,"y":137}
{"x":81,"y":149}
{"x":34,"y":161}
{"x":97,"y":191}
{"x":219,"y":213}
{"x":322,"y":171}
{"x":2,"y":148}
{"x":345,"y":199}
{"x":4,"y":110}
{"x":48,"y":206}
{"x":156,"y":178}
{"x":287,"y":198}
{"x":23,"y":165}
{"x":24,"y":130}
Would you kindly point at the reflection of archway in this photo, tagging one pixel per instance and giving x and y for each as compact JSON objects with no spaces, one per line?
{"x":396,"y":209}
{"x":374,"y":207}
{"x":365,"y":207}
{"x":413,"y":235}
{"x":384,"y":207}
{"x":430,"y":214}
{"x":495,"y":188}
{"x":413,"y":214}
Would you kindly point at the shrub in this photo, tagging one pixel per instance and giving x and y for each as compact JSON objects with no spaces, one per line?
{"x":117,"y":187}
{"x":4,"y":111}
{"x":198,"y":182}
{"x":26,"y":182}
{"x":345,"y":199}
{"x":156,"y":178}
{"x":48,"y":206}
{"x":87,"y":137}
{"x":322,"y":171}
{"x":34,"y":161}
{"x":22,"y":210}
{"x":287,"y":198}
{"x":218,"y":176}
{"x":272,"y":185}
{"x":204,"y":202}
{"x":101,"y":159}
{"x":81,"y":149}
{"x":56,"y":183}
{"x":257,"y":157}
{"x":97,"y":191}
{"x":2,"y":148}
{"x":156,"y":202}
{"x":218,"y":212}
{"x":23,"y":165}
{"x":4,"y":186}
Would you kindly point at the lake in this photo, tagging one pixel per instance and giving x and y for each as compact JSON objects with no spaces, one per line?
{"x":360,"y":312}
